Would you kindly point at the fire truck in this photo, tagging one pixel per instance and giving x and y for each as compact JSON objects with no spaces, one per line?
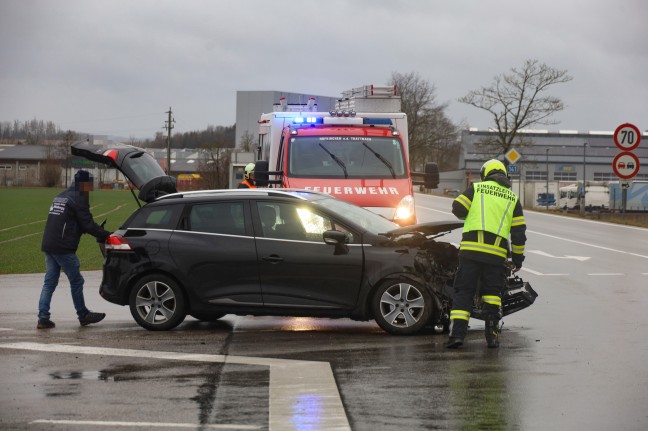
{"x":357,"y":152}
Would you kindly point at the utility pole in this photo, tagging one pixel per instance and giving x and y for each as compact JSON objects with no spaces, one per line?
{"x":168,"y":125}
{"x":547,"y":192}
{"x":582,"y":206}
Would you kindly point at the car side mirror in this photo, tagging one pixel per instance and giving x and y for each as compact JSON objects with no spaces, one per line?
{"x":431,"y":179}
{"x":337,"y":239}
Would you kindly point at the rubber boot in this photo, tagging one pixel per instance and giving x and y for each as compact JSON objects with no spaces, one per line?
{"x":492,"y":328}
{"x":458,"y":329}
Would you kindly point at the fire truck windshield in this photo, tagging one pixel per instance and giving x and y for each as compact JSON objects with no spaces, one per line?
{"x":346,"y":157}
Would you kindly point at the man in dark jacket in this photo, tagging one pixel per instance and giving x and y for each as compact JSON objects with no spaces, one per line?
{"x":69,"y":217}
{"x":492,"y":214}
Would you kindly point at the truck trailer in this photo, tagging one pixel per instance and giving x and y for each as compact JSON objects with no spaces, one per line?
{"x":636,"y":196}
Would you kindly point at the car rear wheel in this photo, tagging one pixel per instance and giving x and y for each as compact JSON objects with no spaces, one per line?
{"x":157,"y":303}
{"x":401,"y":307}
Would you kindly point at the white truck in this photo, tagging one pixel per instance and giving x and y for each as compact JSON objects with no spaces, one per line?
{"x":597,"y":195}
{"x":358,"y":152}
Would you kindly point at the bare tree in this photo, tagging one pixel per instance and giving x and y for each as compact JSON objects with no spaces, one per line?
{"x":53,"y":165}
{"x":430,"y":131}
{"x":213,"y":167}
{"x":516,"y":101}
{"x":247,"y":141}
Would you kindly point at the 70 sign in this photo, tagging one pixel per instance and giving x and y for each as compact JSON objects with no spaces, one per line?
{"x":627,"y":137}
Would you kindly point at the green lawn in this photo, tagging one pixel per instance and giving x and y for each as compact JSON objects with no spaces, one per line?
{"x":23,"y":212}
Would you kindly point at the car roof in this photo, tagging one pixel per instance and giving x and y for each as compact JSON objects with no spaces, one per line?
{"x":306,"y":195}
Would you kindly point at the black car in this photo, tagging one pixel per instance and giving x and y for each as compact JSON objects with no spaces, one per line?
{"x":268,"y":252}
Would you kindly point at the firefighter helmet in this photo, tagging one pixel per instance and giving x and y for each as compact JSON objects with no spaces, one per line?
{"x":491,"y":166}
{"x":249,"y":170}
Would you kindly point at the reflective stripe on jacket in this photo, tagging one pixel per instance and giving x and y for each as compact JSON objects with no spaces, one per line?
{"x":492,"y":212}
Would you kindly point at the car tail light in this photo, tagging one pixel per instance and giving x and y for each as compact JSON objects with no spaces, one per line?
{"x":117,"y":242}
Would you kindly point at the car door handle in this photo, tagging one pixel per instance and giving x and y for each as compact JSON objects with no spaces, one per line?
{"x":273,"y":258}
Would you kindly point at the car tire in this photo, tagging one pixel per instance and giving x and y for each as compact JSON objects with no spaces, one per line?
{"x":401,"y":307}
{"x":157,"y":303}
{"x":207,"y":317}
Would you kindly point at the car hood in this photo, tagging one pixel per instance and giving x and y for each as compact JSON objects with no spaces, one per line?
{"x":426,"y":229}
{"x":141,"y":169}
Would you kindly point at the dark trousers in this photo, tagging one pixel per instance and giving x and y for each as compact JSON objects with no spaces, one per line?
{"x":471,"y":272}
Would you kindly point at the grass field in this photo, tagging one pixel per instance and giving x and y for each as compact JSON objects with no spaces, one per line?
{"x":23,"y":212}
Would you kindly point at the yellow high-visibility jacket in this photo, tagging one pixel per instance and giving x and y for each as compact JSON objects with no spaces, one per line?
{"x":492,"y":214}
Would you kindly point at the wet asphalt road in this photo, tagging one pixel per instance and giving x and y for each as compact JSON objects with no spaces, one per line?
{"x":575,"y":360}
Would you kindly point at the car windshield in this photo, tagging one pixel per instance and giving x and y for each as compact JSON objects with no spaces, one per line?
{"x":368,"y":220}
{"x":346,"y":157}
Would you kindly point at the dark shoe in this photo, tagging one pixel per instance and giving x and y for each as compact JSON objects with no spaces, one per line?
{"x":92,"y":318}
{"x":458,"y":330}
{"x":492,"y":328}
{"x":454,"y":342}
{"x":492,"y":332}
{"x":45,"y":324}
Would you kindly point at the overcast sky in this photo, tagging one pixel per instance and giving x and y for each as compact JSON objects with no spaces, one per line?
{"x":115,"y":67}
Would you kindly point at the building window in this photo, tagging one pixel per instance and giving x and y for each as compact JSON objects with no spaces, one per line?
{"x":8,"y":167}
{"x":536,"y":175}
{"x":564,"y":176}
{"x":22,"y":167}
{"x":604,"y":176}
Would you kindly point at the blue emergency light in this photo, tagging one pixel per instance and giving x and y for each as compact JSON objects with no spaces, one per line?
{"x":308,"y":120}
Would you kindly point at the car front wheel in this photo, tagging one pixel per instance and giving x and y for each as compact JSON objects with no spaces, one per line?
{"x":401,"y":307}
{"x":157,"y":303}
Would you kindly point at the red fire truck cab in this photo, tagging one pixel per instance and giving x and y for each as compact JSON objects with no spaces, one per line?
{"x":360,"y":157}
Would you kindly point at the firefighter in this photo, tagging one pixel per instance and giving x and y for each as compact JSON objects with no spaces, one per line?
{"x":248,"y":177}
{"x":492,"y":213}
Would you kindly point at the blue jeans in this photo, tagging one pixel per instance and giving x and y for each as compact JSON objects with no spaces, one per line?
{"x":69,"y":262}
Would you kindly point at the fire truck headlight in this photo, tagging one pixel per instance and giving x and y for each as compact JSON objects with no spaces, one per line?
{"x":405,"y":208}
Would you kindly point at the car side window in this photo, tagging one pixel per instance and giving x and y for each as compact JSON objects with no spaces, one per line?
{"x":294,"y":222}
{"x":157,"y":217}
{"x":217,"y":217}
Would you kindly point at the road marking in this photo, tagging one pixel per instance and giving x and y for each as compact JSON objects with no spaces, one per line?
{"x":303,"y":394}
{"x":538,"y":272}
{"x":542,"y":253}
{"x":587,"y":244}
{"x":606,"y":273}
{"x":146,"y":424}
{"x":566,"y":219}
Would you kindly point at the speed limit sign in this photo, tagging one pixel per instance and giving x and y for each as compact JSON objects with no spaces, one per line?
{"x":627,"y":137}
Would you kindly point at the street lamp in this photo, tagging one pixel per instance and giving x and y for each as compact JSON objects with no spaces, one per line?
{"x":547,"y":190}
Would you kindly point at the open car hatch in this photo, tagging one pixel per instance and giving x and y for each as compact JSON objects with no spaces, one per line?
{"x":141,"y":169}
